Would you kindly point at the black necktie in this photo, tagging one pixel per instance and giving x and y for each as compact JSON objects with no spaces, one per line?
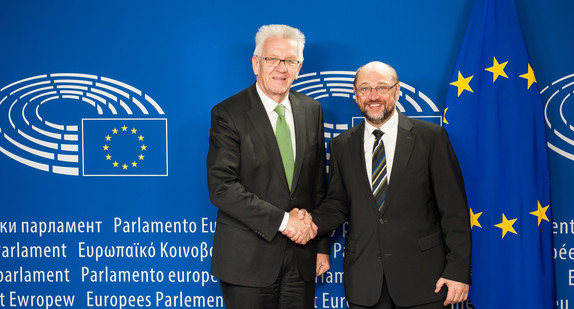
{"x":379,"y":171}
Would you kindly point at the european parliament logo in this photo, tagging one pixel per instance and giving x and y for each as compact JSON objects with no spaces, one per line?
{"x":334,"y":89}
{"x":558,"y":113}
{"x":83,"y":125}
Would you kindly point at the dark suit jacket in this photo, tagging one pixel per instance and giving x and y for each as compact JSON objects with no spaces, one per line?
{"x":423,"y":232}
{"x":247,"y":183}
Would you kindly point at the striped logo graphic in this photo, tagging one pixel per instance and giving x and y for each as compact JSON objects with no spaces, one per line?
{"x":559,"y":116}
{"x":47,"y":123}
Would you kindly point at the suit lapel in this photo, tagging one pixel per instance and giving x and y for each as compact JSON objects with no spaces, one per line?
{"x":260,"y":121}
{"x":403,"y":151}
{"x":300,"y":137}
{"x":358,"y":148}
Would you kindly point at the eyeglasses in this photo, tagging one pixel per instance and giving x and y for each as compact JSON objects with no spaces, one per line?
{"x":272,"y":62}
{"x":380,"y":89}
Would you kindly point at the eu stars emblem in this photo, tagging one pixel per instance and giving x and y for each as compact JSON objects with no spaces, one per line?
{"x":124,"y":147}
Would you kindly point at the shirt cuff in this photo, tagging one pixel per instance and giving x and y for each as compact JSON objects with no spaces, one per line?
{"x":284,"y":222}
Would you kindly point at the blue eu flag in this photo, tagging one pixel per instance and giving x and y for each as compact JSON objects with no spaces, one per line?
{"x":124,"y":147}
{"x":494,"y":116}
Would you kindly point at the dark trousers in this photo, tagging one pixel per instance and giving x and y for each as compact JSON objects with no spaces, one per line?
{"x":386,"y":302}
{"x":289,"y":291}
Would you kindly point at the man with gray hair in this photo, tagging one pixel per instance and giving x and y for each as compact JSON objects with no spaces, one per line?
{"x":266,"y":161}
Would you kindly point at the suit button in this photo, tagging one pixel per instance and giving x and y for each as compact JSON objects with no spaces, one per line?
{"x":381,"y":221}
{"x":379,"y":257}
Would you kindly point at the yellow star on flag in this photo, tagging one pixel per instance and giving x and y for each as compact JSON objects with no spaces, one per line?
{"x":125,"y":166}
{"x":124,"y":128}
{"x":134,"y":131}
{"x":506,"y":225}
{"x":141,"y":156}
{"x":529,"y":76}
{"x":116,"y":164}
{"x":444,"y":116}
{"x":497,"y":69}
{"x":140,"y":137}
{"x":108,"y":157}
{"x":115,"y":131}
{"x":541,"y":213}
{"x":144,"y":147}
{"x":462,"y":83}
{"x":106,"y":147}
{"x":108,"y":138}
{"x":134,"y":164}
{"x":474,"y":219}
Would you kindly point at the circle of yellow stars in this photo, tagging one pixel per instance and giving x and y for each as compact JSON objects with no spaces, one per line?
{"x":124,"y":166}
{"x":463,"y":84}
{"x":497,"y":69}
{"x":507,"y":225}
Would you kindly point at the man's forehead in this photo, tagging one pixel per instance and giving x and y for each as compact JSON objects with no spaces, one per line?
{"x":374,"y":77}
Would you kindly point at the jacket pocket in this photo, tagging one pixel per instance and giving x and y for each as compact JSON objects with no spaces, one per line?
{"x":350,"y":245}
{"x":430,"y":241}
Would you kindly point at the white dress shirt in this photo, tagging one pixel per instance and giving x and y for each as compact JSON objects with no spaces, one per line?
{"x":390,"y":129}
{"x":270,"y":106}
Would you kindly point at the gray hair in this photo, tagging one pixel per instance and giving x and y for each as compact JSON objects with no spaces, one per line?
{"x":282,"y":31}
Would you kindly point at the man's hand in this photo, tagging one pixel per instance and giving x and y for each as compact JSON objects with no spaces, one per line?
{"x":322,"y":264}
{"x":457,"y":291}
{"x":300,"y":227}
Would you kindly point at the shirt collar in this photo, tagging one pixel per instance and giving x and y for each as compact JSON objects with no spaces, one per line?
{"x":269,"y":104}
{"x":388,"y":127}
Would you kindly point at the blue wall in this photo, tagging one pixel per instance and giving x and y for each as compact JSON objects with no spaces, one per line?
{"x":186,"y":56}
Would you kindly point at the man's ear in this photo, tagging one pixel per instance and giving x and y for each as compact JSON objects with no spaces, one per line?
{"x":255,"y":64}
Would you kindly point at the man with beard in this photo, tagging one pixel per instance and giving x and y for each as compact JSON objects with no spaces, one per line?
{"x":409,"y":239}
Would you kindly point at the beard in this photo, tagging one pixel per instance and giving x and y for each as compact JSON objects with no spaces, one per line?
{"x":382,"y":117}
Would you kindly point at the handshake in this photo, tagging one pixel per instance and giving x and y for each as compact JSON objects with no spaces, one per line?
{"x":300,"y":227}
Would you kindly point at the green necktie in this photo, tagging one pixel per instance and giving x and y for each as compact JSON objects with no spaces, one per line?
{"x":283,"y":135}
